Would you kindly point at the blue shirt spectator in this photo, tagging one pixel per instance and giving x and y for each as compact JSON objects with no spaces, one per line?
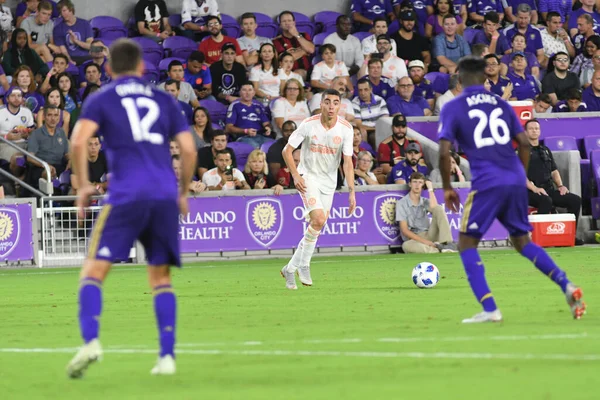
{"x":566,"y":106}
{"x":450,"y":45}
{"x":533,"y":37}
{"x":198,"y":74}
{"x":247,"y":119}
{"x":406,"y":103}
{"x":591,"y":95}
{"x":577,"y":13}
{"x":499,"y":86}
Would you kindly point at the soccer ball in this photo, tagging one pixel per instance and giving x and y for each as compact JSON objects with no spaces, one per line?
{"x":425,"y":275}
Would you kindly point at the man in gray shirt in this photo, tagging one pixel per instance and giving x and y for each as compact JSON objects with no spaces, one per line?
{"x":39,"y":28}
{"x":186,"y":91}
{"x":250,"y":43}
{"x":419,"y":235}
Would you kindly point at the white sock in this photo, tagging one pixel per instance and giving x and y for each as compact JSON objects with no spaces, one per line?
{"x":305,"y":250}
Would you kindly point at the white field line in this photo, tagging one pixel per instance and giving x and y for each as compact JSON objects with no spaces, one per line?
{"x":355,"y":354}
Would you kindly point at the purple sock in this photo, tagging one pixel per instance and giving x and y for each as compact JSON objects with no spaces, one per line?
{"x":545,"y":264}
{"x":476,"y":275}
{"x":90,"y":308}
{"x":165,"y":308}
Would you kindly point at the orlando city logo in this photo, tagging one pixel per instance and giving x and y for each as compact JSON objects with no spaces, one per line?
{"x":9,"y":231}
{"x":384,"y":214}
{"x":264,"y":220}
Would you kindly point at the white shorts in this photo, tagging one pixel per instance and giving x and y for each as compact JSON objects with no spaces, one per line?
{"x":316,"y":199}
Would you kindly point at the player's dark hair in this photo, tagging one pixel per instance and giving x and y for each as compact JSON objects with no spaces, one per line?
{"x":416,"y":175}
{"x":170,"y":82}
{"x":471,"y":71}
{"x":63,"y":57}
{"x":530,"y":122}
{"x":175,"y":63}
{"x":327,"y":46}
{"x":196,"y":56}
{"x":492,"y":16}
{"x":332,"y":92}
{"x":248,"y":15}
{"x":92,"y":65}
{"x":125,"y":56}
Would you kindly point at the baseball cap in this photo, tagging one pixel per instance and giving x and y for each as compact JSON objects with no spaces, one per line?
{"x":228,"y":46}
{"x":11,"y":90}
{"x":399,"y":120}
{"x":412,"y":146}
{"x":384,"y":37}
{"x":416,"y":63}
{"x":517,"y":53}
{"x":407,"y":15}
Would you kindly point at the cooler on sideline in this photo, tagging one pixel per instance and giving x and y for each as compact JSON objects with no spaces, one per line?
{"x":553,"y":230}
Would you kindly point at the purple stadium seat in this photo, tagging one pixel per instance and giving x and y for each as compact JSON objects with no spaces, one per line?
{"x":216,"y":110}
{"x":595,"y":166}
{"x":325,"y":21}
{"x":368,"y":147}
{"x":179,"y":46}
{"x":216,"y":127}
{"x":108,"y":27}
{"x":266,"y":26}
{"x":361,"y":35}
{"x":394,"y":27}
{"x":265,"y":147}
{"x":151,"y":73}
{"x":175,"y":20}
{"x":131,"y":26}
{"x":230,"y":26}
{"x":591,"y":143}
{"x":64,"y":180}
{"x":439,"y":81}
{"x":242,"y":151}
{"x":319,"y":39}
{"x":469,"y":34}
{"x":153,"y":52}
{"x":561,"y":143}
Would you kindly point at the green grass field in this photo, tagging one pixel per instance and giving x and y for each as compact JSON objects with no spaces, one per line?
{"x":363,"y":331}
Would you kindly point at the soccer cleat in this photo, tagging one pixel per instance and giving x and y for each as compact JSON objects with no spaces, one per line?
{"x":574,"y":296}
{"x":290,"y":281}
{"x":304,"y":275}
{"x":449,"y":247}
{"x":164,"y":366}
{"x":88,"y":354}
{"x":484,"y":316}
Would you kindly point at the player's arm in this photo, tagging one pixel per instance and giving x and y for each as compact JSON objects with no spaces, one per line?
{"x":82,"y":132}
{"x":348,"y":169}
{"x":445,"y":165}
{"x":188,"y":155}
{"x":523,"y":150}
{"x":289,"y":160}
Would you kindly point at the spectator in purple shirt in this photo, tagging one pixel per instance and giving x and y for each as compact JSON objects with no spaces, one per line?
{"x":365,"y":11}
{"x":587,"y":7}
{"x":524,"y":86}
{"x":591,"y":95}
{"x":523,"y":25}
{"x":247,"y":119}
{"x":572,"y":103}
{"x":562,"y":7}
{"x":73,"y":35}
{"x":406,"y":103}
{"x":382,"y":86}
{"x":510,"y":12}
{"x":478,"y":9}
{"x":496,"y":83}
{"x":490,"y":36}
{"x":518,"y":46}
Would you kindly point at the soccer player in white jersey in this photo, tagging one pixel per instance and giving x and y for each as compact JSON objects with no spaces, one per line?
{"x":324,"y":138}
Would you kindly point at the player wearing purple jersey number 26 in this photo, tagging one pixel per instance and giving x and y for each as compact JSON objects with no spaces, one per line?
{"x":484,"y":126}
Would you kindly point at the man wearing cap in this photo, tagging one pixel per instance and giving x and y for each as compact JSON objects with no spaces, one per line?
{"x":227,"y":76}
{"x":496,"y":83}
{"x":411,"y":45}
{"x":523,"y":25}
{"x":591,"y":95}
{"x":524,"y":86}
{"x":573,"y":103}
{"x":449,"y":47}
{"x":364,"y":12}
{"x":369,"y":44}
{"x":422,"y":9}
{"x":381,"y":85}
{"x":490,"y":36}
{"x":16,"y":122}
{"x":392,"y":149}
{"x":405,"y":168}
{"x":454,"y":89}
{"x":423,"y":88}
{"x":347,"y":45}
{"x":393,"y":66}
{"x":406,"y":103}
{"x":559,"y":81}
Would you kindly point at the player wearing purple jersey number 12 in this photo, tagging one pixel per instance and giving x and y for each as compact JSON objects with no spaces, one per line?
{"x":484,"y":126}
{"x":137,"y":122}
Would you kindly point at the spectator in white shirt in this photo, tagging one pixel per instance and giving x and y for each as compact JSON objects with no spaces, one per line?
{"x":224,"y":176}
{"x":393,"y":67}
{"x":454,"y":89}
{"x":369,"y":44}
{"x":250,"y":43}
{"x":324,"y":72}
{"x":286,"y":63}
{"x":348,"y":46}
{"x":555,"y":38}
{"x":16,"y":122}
{"x":264,"y":75}
{"x":291,"y":106}
{"x":193,"y":17}
{"x":346,"y":108}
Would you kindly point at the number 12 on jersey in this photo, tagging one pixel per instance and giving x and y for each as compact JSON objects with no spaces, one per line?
{"x":500,"y":133}
{"x":140,"y":128}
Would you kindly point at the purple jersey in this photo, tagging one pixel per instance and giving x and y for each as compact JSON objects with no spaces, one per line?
{"x":246,"y":116}
{"x":136,"y":121}
{"x":483,"y":125}
{"x":82,"y":30}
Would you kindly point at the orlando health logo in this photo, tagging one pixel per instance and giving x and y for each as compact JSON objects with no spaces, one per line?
{"x":264,"y":220}
{"x":384,"y":214}
{"x":9,"y":231}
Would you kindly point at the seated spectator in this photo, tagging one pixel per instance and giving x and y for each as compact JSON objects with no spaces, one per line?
{"x":50,"y":144}
{"x":274,"y":155}
{"x":66,"y":84}
{"x":56,"y":99}
{"x":588,"y":61}
{"x":202,"y":127}
{"x":511,"y":12}
{"x":591,"y":94}
{"x":198,"y":75}
{"x":392,"y":150}
{"x":152,"y":19}
{"x":16,"y":122}
{"x":264,"y":77}
{"x":97,"y":168}
{"x":362,"y":172}
{"x":227,"y":76}
{"x":346,"y":107}
{"x":456,"y":175}
{"x":434,"y":24}
{"x":524,"y":86}
{"x":19,"y":54}
{"x":39,"y":28}
{"x":411,"y":45}
{"x":324,"y":71}
{"x":250,"y":43}
{"x":193,"y":17}
{"x":356,"y":146}
{"x":92,"y":75}
{"x":490,"y":36}
{"x":393,"y":67}
{"x":247,"y":120}
{"x":256,"y":173}
{"x":449,"y":47}
{"x":23,"y":79}
{"x":73,"y":36}
{"x":347,"y":45}
{"x":365,"y":12}
{"x":554,"y":38}
{"x":286,"y":62}
{"x":194,"y":186}
{"x":206,"y":155}
{"x":560,"y":80}
{"x":297,"y":44}
{"x":186,"y":91}
{"x":421,"y":8}
{"x":419,"y":235}
{"x":381,"y":85}
{"x":99,"y":56}
{"x":479,"y":9}
{"x":291,"y":106}
{"x":405,"y":168}
{"x":531,"y":34}
{"x":542,"y":104}
{"x":172,"y":87}
{"x":211,"y":47}
{"x":284,"y":177}
{"x":586,"y":29}
{"x":573,"y":103}
{"x":369,"y":44}
{"x":588,"y":7}
{"x":368,"y":108}
{"x":27,"y":8}
{"x":423,"y":88}
{"x":480,"y":50}
{"x":518,"y":46}
{"x":496,"y":83}
{"x":59,"y":65}
{"x":406,"y":103}
{"x":454,"y":89}
{"x":224,"y":176}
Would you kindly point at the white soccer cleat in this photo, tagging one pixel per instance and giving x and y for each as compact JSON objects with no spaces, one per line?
{"x":484,"y":316}
{"x":164,"y":366}
{"x":574,"y":296}
{"x":290,"y":280}
{"x":304,"y":275}
{"x":88,"y":354}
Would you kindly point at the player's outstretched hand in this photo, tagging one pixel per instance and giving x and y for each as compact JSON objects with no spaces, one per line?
{"x":183,"y":204}
{"x":83,"y":199}
{"x":299,"y":183}
{"x":352,"y":202}
{"x":452,"y":200}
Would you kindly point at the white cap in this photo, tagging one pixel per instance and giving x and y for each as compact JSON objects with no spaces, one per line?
{"x":416,"y":63}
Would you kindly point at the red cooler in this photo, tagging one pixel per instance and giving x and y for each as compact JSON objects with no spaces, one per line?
{"x":523,"y":109}
{"x":553,"y":230}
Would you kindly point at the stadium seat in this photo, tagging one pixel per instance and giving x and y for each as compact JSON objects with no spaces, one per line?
{"x":153,"y":52}
{"x":151,"y":73}
{"x":469,"y":34}
{"x":231,"y":26}
{"x":266,"y":26}
{"x":163,"y":66}
{"x":325,"y":21}
{"x":175,"y":20}
{"x":319,"y":39}
{"x":242,"y":151}
{"x":591,"y":143}
{"x":106,"y":27}
{"x":394,"y":27}
{"x":216,"y":110}
{"x":368,"y":147}
{"x":439,"y":81}
{"x":64,"y":181}
{"x":265,"y":147}
{"x":361,"y":35}
{"x":561,"y":143}
{"x":178,"y":46}
{"x":131,"y":26}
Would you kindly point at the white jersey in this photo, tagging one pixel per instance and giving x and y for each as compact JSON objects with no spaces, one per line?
{"x":394,"y":68}
{"x":8,"y":121}
{"x":322,"y":150}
